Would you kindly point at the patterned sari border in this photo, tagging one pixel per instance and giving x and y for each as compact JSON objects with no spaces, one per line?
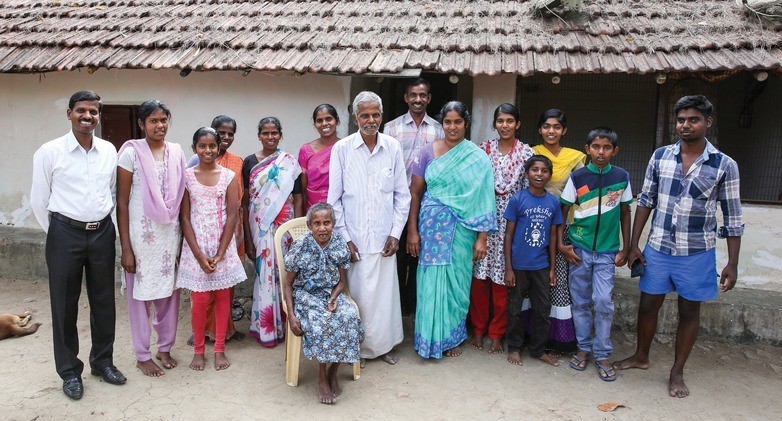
{"x":434,"y":349}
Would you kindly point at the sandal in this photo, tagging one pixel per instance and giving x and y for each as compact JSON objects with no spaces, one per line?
{"x":237,"y":311}
{"x":602,"y":373}
{"x":581,"y":363}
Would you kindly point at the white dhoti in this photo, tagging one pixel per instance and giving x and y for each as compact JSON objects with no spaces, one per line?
{"x":374,"y":286}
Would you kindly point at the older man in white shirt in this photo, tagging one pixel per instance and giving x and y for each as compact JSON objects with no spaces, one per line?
{"x":368,"y":189}
{"x":72,"y":197}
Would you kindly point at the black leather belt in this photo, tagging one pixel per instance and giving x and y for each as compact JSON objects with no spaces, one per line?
{"x":87,"y":226}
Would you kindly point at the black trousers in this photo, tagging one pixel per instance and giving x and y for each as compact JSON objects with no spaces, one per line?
{"x":406,"y":266}
{"x":536,"y":284}
{"x":70,"y":251}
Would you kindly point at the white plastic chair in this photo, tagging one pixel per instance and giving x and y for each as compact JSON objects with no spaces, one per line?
{"x":296,"y":228}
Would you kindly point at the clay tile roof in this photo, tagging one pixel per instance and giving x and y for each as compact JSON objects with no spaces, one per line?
{"x":385,"y":36}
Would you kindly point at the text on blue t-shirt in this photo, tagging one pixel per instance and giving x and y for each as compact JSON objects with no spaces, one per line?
{"x":534,"y":216}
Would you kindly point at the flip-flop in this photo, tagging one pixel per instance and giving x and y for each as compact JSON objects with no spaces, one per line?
{"x":602,"y":370}
{"x":581,"y":366}
{"x":237,"y":311}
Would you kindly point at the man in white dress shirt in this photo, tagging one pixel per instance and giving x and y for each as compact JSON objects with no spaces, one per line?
{"x":72,"y":197}
{"x":368,"y":189}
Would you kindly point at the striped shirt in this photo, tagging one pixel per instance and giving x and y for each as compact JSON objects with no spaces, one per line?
{"x":685,"y":217}
{"x":413,"y":138}
{"x":597,"y":195}
{"x":369,"y":191}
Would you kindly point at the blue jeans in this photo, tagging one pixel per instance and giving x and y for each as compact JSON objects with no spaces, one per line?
{"x":591,"y":286}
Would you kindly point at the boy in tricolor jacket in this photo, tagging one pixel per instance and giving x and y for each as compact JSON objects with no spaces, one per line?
{"x":601,"y":196}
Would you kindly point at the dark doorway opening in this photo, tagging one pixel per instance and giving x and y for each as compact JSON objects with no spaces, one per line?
{"x":118,"y":124}
{"x":391,"y":90}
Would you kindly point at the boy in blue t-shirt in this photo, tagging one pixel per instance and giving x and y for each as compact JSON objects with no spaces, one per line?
{"x":530,"y":246}
{"x":600,"y":194}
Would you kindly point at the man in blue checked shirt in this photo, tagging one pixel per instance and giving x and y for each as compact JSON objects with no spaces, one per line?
{"x":684,"y":183}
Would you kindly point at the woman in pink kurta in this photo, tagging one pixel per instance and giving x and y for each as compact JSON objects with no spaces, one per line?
{"x":314,"y":156}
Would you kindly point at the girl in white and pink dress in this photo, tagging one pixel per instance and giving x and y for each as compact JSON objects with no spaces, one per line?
{"x":209,"y":264}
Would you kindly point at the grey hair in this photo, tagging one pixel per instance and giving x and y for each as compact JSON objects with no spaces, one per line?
{"x":320,"y":206}
{"x":366,"y":97}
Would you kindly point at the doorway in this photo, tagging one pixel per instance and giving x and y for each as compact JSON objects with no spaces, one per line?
{"x":118,"y":124}
{"x":392,"y":89}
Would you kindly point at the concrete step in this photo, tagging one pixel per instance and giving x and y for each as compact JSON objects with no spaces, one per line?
{"x":23,"y":256}
{"x":22,"y":253}
{"x":741,"y":315}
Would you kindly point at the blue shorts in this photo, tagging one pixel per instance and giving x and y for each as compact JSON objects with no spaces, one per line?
{"x":693,"y":277}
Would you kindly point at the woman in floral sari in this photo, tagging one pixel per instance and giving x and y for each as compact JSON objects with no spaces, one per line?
{"x":269,"y":177}
{"x":451,"y":212}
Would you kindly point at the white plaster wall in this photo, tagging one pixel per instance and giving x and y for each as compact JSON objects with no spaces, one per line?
{"x":760,"y":256}
{"x":32,"y":109}
{"x":488,"y":93}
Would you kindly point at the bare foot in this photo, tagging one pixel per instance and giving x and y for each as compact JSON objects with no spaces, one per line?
{"x":325,"y":395}
{"x":453,"y":352}
{"x":166,"y":359}
{"x":149,"y":368}
{"x":363,"y":362}
{"x":333,"y":381}
{"x":514,"y":357}
{"x":548,"y":359}
{"x":477,"y":341}
{"x":198,"y":362}
{"x":390,"y":358}
{"x":221,"y":362}
{"x":496,"y":346}
{"x":676,"y":386}
{"x":554,"y":354}
{"x":631,"y":362}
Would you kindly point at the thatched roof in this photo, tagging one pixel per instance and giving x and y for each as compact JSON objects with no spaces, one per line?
{"x":449,"y":36}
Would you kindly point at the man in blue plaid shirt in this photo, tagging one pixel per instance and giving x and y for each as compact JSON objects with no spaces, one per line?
{"x":684,"y":183}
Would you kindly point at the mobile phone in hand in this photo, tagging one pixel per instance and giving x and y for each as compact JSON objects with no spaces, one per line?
{"x":637,"y":269}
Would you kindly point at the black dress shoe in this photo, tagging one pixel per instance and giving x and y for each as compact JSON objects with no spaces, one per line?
{"x":73,"y":388}
{"x":110,"y":374}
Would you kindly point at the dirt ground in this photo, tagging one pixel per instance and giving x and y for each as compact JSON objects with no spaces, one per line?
{"x":727,"y":381}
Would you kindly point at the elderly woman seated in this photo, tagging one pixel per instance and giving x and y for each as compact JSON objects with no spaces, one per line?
{"x":316,"y":267}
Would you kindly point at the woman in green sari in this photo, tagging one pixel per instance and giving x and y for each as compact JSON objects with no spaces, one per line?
{"x":451,"y":212}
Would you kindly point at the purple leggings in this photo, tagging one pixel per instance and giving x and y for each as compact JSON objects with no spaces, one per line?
{"x":164,"y":319}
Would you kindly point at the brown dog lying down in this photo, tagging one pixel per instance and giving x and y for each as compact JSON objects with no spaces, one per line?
{"x":16,"y":325}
